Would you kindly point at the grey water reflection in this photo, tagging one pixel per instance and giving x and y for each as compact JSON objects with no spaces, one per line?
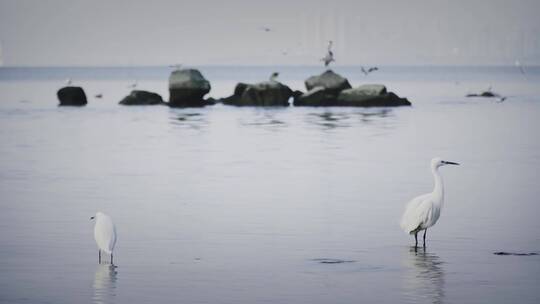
{"x":189,"y":120}
{"x":267,"y":119}
{"x":423,"y":280}
{"x":329,"y":120}
{"x":371,"y":116}
{"x":105,"y":284}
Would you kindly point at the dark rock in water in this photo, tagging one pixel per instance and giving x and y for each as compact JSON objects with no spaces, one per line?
{"x":332,"y":90}
{"x":267,"y":93}
{"x":370,"y":95}
{"x":332,"y":261}
{"x":316,"y":97}
{"x":515,"y":253}
{"x":187,"y":88}
{"x":483,"y":94}
{"x":72,"y":96}
{"x":137,"y":97}
{"x":332,"y":82}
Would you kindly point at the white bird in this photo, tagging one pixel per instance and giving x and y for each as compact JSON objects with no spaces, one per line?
{"x":68,"y":82}
{"x":104,"y":234}
{"x":423,"y":211}
{"x":329,"y":55}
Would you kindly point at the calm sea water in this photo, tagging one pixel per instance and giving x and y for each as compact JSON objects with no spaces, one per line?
{"x":241,"y":205}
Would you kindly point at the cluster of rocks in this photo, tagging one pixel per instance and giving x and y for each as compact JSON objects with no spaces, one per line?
{"x":331,"y":89}
{"x":187,"y":88}
{"x":267,"y":93}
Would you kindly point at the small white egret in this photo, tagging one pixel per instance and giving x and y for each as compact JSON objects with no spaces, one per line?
{"x":104,"y":234}
{"x":423,"y":211}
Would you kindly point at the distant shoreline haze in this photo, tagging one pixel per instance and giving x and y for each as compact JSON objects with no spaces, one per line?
{"x":243,"y":32}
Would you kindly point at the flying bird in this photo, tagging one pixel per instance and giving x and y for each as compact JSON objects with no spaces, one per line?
{"x":133,"y":85}
{"x":104,"y":234}
{"x":369,"y":70}
{"x":423,"y":211}
{"x":329,"y":57}
{"x":176,"y":66}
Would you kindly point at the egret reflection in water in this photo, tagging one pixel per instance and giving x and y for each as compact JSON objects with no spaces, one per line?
{"x":423,"y":280}
{"x":105,"y":284}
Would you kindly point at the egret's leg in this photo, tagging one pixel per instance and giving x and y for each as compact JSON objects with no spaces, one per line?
{"x":425,"y":232}
{"x":111,"y":259}
{"x":416,"y":239}
{"x":99,"y":256}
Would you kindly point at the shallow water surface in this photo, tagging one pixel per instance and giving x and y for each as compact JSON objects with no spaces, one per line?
{"x":270,"y":205}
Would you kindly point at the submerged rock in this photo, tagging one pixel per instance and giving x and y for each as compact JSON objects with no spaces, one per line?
{"x":483,"y":94}
{"x":138,"y":97}
{"x":370,"y":95}
{"x":71,"y":96}
{"x":187,"y":88}
{"x":267,"y":93}
{"x":515,"y":253}
{"x":330,"y":81}
{"x":316,"y":97}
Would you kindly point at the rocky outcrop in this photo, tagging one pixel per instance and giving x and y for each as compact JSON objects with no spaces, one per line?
{"x":333,"y":90}
{"x":267,"y":93}
{"x":187,"y":88}
{"x":139,"y":98}
{"x":330,"y":81}
{"x":71,"y":96}
{"x":370,"y":96}
{"x":316,"y":97}
{"x":483,"y":94}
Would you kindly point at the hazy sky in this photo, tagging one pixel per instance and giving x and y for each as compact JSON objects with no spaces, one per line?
{"x":99,"y":32}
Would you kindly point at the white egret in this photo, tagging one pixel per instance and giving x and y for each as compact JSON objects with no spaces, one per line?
{"x":423,"y":211}
{"x":104,"y":234}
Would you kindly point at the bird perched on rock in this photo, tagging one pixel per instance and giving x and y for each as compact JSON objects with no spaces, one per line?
{"x":274,"y":76}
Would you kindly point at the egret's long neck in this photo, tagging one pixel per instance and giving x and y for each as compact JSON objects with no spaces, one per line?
{"x":438,"y":190}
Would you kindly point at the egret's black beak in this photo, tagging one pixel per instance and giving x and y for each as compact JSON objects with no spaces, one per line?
{"x":91,"y":218}
{"x":450,"y":163}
